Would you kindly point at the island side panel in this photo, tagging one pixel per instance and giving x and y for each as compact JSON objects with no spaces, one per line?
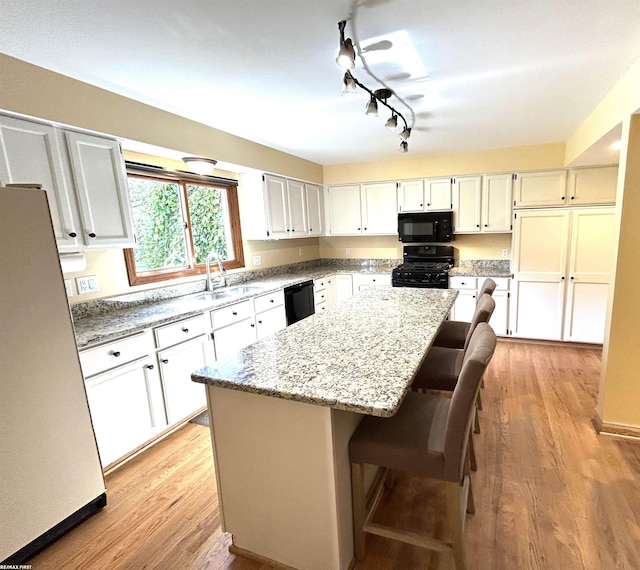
{"x":276,"y":478}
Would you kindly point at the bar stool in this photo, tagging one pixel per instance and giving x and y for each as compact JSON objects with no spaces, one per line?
{"x":427,"y":436}
{"x":455,"y":334}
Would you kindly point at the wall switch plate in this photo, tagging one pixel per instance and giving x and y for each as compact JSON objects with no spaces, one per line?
{"x":505,"y":253}
{"x":87,"y":284}
{"x":348,"y":251}
{"x":68,"y":287}
{"x":257,"y":260}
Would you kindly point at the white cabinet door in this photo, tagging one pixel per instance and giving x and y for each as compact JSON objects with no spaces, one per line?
{"x":379,"y":208}
{"x":593,"y":185}
{"x":496,"y":203}
{"x":437,"y":193}
{"x":464,"y":306}
{"x":411,"y":196}
{"x":314,"y":209}
{"x":270,"y":322}
{"x":500,"y":318}
{"x":297,"y":204}
{"x":539,"y":257}
{"x":343,"y":287}
{"x":539,"y":189}
{"x":228,"y":340}
{"x":593,"y":238}
{"x":275,"y":189}
{"x":345,"y":216}
{"x":467,"y":196}
{"x":101,"y":186}
{"x":126,"y":408}
{"x":30,"y":154}
{"x":182,"y":396}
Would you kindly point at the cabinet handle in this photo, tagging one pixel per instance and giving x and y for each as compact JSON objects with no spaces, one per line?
{"x":253,"y":325}
{"x":185,"y":330}
{"x":293,"y":230}
{"x":572,"y":197}
{"x":421,"y":205}
{"x":115,"y":353}
{"x":486,"y":225}
{"x":562,"y":278}
{"x":150,"y":366}
{"x":374,"y":280}
{"x":358,"y":229}
{"x":259,"y":322}
{"x":571,"y":278}
{"x":271,"y":301}
{"x":365,"y":229}
{"x":92,"y":235}
{"x":428,"y":204}
{"x":562,"y":198}
{"x":73,"y":234}
{"x":478,"y":225}
{"x":165,"y":361}
{"x":235,"y":313}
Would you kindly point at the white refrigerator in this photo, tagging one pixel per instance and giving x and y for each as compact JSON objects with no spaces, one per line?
{"x":50,"y":473}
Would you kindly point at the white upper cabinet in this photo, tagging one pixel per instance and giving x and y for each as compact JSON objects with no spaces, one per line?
{"x":540,"y":189}
{"x":467,"y":203}
{"x":314,"y":209}
{"x":482,"y":204}
{"x":431,"y":194}
{"x":358,"y":209}
{"x":379,"y":209}
{"x":411,"y":196}
{"x":31,"y":154}
{"x":437,"y":193}
{"x":84,"y":176}
{"x":593,"y":185}
{"x":101,"y":185}
{"x":290,"y":208}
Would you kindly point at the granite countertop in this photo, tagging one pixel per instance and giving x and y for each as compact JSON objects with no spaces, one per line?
{"x":482,"y":268}
{"x":118,"y":318}
{"x":359,"y":356}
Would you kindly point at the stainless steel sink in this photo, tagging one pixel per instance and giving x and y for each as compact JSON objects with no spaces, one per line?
{"x":227,"y":293}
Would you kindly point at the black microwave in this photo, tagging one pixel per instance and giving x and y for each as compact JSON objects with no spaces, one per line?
{"x":425,"y":227}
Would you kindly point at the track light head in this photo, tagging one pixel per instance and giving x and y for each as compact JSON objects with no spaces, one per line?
{"x":372,"y":107}
{"x":392,"y":123}
{"x":404,"y":146}
{"x":347,"y":55}
{"x":406,"y":133}
{"x":348,"y":85}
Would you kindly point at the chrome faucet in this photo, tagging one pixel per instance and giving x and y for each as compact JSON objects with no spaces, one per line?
{"x":222,"y":278}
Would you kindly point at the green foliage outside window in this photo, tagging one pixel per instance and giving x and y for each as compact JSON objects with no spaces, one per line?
{"x":159,"y":223}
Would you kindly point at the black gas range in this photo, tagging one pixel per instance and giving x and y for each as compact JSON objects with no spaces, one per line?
{"x":424,"y":266}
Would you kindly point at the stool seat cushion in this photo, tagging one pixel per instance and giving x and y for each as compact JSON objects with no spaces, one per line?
{"x":439,"y":370}
{"x":412,"y":440}
{"x":452,"y":334}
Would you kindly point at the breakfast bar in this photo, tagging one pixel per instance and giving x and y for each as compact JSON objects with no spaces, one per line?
{"x":282,"y":412}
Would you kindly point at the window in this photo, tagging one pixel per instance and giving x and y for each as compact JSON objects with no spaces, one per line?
{"x":177,"y":222}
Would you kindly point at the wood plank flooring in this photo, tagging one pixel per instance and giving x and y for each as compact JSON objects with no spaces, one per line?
{"x":550,"y":493}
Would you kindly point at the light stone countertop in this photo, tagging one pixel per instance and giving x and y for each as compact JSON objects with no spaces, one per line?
{"x":359,"y":356}
{"x":125,"y":320}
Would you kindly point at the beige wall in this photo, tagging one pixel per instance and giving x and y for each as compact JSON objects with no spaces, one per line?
{"x":532,"y":157}
{"x":619,"y":396}
{"x":484,"y":246}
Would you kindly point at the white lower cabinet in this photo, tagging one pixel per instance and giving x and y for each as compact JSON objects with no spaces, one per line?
{"x":124,"y":394}
{"x":232,"y":338}
{"x":563,"y":261}
{"x":183,"y":347}
{"x":341,"y":288}
{"x":362,"y":281}
{"x":465,"y":304}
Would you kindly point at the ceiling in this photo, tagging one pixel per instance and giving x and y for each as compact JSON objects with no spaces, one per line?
{"x":477,"y":73}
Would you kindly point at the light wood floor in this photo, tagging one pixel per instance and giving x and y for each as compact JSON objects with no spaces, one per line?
{"x":550,"y":493}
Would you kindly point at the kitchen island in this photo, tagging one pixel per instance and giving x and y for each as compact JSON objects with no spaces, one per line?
{"x":282,"y":412}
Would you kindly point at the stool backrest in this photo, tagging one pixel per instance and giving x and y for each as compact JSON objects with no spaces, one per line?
{"x":488,"y":287}
{"x":461,"y":409}
{"x":484,"y":309}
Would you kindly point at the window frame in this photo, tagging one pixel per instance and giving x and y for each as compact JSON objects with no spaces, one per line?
{"x":137,"y":277}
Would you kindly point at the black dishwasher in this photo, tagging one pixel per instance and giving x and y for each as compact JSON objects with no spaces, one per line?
{"x":299,"y":301}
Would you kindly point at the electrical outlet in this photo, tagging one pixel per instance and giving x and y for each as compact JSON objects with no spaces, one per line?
{"x":257,"y":260}
{"x":68,"y":288}
{"x":300,"y":251}
{"x":348,"y":251}
{"x":505,"y":253}
{"x":87,"y":284}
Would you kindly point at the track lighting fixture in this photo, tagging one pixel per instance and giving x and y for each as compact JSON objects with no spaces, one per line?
{"x":347,"y":54}
{"x":348,"y":85}
{"x":372,"y":107}
{"x":392,"y":123}
{"x":346,"y":60}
